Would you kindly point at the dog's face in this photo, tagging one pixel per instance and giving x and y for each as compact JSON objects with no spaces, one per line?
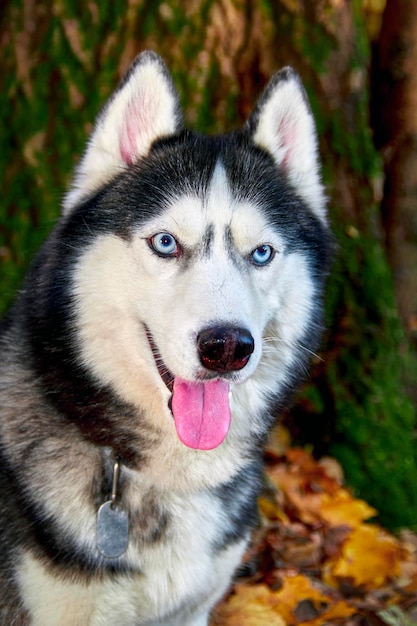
{"x":209,"y":265}
{"x":201,"y":297}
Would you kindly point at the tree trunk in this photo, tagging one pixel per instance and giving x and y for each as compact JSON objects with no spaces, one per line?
{"x":395,"y":122}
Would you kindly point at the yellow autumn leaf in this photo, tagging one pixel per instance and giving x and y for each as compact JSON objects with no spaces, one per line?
{"x":249,"y":606}
{"x":343,"y":509}
{"x":337,"y":610}
{"x":314,"y":492}
{"x":270,"y":510}
{"x":299,"y":588}
{"x":258,"y":605}
{"x":369,"y":558}
{"x":294,"y":589}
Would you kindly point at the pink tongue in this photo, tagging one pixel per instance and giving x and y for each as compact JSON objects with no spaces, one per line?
{"x":201,"y":412}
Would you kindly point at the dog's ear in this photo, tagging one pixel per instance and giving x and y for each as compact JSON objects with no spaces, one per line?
{"x":283,"y":125}
{"x":145,"y":107}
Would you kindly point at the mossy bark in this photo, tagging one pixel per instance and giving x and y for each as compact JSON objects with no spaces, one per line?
{"x":395,"y":122}
{"x":59,"y":62}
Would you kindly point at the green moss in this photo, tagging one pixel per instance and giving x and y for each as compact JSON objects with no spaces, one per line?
{"x":374,"y":429}
{"x":316,"y":46}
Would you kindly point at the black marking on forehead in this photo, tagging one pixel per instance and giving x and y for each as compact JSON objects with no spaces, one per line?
{"x":228,"y":237}
{"x":230,"y":246}
{"x":207,"y":240}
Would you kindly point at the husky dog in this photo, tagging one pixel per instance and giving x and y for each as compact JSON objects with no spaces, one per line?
{"x":167,"y":318}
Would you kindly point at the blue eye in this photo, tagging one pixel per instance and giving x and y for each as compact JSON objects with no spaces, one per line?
{"x":164,"y":244}
{"x":262,"y":254}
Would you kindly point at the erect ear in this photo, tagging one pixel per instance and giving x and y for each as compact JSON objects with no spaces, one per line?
{"x":145,"y":107}
{"x":283,"y":125}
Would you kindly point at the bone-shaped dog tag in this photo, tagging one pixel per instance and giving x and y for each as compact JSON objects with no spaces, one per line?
{"x":112,"y":530}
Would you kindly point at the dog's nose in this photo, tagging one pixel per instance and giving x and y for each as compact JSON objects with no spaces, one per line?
{"x":225,"y":348}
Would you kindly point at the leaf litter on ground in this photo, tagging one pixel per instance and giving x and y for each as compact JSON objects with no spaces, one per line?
{"x":319,"y":557}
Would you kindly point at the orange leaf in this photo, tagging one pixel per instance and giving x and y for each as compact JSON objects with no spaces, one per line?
{"x":313,"y":490}
{"x":299,"y":589}
{"x":343,"y":509}
{"x":249,"y":606}
{"x":296,"y":489}
{"x":369,"y":557}
{"x":260,"y":606}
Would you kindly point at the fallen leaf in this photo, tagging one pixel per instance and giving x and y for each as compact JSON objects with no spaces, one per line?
{"x":369,"y":557}
{"x":333,"y":538}
{"x":270,"y":509}
{"x":296,"y":546}
{"x":297,"y":603}
{"x":316,"y":560}
{"x":343,"y":509}
{"x":249,"y":606}
{"x":298,"y":592}
{"x":307,"y":484}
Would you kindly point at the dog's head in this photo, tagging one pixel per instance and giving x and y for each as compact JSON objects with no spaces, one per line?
{"x":198,"y":286}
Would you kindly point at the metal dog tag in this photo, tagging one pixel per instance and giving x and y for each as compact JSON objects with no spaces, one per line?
{"x":112,"y":530}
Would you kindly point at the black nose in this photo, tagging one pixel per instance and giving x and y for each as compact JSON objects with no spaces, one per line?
{"x":225,"y":348}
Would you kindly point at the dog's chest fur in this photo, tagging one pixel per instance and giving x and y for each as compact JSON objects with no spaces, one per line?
{"x":165,"y":574}
{"x":184,"y":543}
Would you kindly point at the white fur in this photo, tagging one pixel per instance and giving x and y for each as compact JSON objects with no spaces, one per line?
{"x":52,"y":601}
{"x":286,"y":130}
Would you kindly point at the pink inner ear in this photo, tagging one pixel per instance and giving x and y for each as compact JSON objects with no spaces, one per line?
{"x":128,"y":135}
{"x":137,"y":122}
{"x":287,"y":137}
